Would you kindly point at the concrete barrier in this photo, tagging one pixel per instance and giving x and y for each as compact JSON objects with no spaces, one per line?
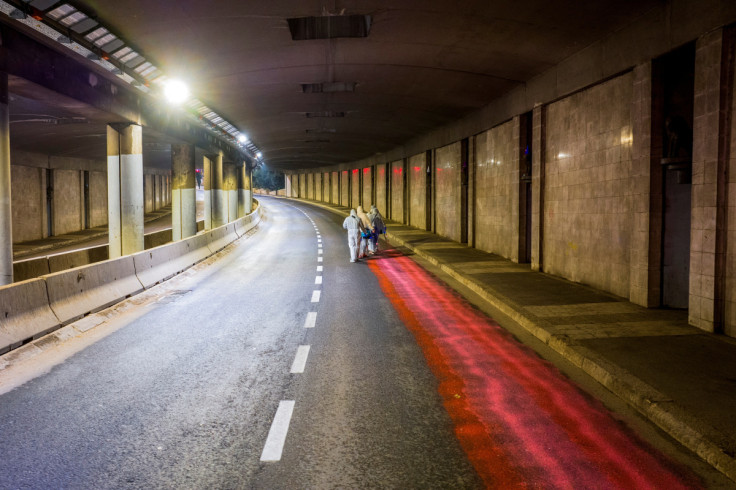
{"x":76,"y":292}
{"x":247,"y":223}
{"x":77,"y":258}
{"x":160,"y":263}
{"x":24,"y":313}
{"x":221,"y":237}
{"x":33,"y":308}
{"x":30,"y":268}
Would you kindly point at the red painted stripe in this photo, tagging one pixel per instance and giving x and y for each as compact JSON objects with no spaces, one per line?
{"x":519,"y":420}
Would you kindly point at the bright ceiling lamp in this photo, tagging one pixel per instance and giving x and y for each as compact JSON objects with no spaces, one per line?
{"x":259,"y":155}
{"x":176,"y":91}
{"x":242,"y":138}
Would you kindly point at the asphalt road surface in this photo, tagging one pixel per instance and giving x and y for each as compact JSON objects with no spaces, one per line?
{"x":279,"y":364}
{"x":184,"y":395}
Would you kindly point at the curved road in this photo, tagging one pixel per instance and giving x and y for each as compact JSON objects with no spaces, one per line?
{"x":278,"y":364}
{"x":184,"y":395}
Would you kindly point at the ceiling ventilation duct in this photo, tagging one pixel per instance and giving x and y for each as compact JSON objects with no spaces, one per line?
{"x":325,"y":114}
{"x":329,"y":27}
{"x":328,"y":87}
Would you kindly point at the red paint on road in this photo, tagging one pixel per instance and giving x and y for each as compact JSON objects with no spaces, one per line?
{"x":521,"y":422}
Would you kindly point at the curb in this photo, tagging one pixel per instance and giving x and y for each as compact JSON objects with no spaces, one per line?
{"x":652,"y":404}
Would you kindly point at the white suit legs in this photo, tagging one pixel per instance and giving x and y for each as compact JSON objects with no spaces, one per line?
{"x":353,"y":243}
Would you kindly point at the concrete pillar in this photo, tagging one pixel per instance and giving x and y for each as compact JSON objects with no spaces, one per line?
{"x":711,"y":125}
{"x":230,"y":184}
{"x":6,"y":215}
{"x":515,"y":194}
{"x":249,"y":190}
{"x":207,"y":184}
{"x":646,"y":196}
{"x":539,"y":122}
{"x":219,"y":195}
{"x":245,"y":198}
{"x":125,"y":189}
{"x":184,"y":198}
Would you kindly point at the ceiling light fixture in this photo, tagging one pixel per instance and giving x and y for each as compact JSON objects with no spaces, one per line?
{"x":176,"y":91}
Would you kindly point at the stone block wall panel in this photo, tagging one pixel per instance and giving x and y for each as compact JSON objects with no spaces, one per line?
{"x":98,"y":198}
{"x":381,"y":191}
{"x":335,"y":182}
{"x":366,"y":198}
{"x":417,"y":175}
{"x":355,"y":190}
{"x":67,"y":201}
{"x":345,"y":188}
{"x":496,"y":203}
{"x":27,"y":206}
{"x":397,"y":192}
{"x":448,"y":206}
{"x":588,"y":186}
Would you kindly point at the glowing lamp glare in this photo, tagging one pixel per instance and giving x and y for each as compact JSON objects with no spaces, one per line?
{"x":176,"y":91}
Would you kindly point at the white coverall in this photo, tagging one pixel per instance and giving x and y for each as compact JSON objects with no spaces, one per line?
{"x":354,"y":227}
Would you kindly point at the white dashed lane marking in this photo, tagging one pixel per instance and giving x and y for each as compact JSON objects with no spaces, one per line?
{"x":319,"y":268}
{"x":319,"y":259}
{"x":315,"y":296}
{"x":318,"y":280}
{"x":277,"y":435}
{"x":311,"y":320}
{"x":300,"y":361}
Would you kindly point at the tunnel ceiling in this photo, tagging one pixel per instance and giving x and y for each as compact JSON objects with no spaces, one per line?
{"x":411,"y":66}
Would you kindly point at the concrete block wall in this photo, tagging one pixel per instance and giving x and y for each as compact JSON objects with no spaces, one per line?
{"x":417,"y":175}
{"x":447,"y":186}
{"x":310,"y":186}
{"x":303,"y":186}
{"x":28,"y":206}
{"x":366,"y":197}
{"x":644,"y":255}
{"x":31,"y":188}
{"x":344,"y":188}
{"x":596,"y":183}
{"x":335,"y":183}
{"x":381,"y":190}
{"x":355,"y":190}
{"x":495,"y":178}
{"x":98,"y":199}
{"x":714,"y":67}
{"x":68,"y":201}
{"x":397,"y":191}
{"x":318,"y":186}
{"x":587,"y":207}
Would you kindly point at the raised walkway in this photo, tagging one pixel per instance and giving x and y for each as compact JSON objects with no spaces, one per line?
{"x":679,"y":377}
{"x":75,"y":239}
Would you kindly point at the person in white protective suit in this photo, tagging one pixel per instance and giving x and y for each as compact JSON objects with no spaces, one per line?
{"x":378,"y":225}
{"x":355,"y":227}
{"x":365,"y":241}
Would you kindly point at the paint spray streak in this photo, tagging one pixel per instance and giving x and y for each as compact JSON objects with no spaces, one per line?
{"x":519,"y":420}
